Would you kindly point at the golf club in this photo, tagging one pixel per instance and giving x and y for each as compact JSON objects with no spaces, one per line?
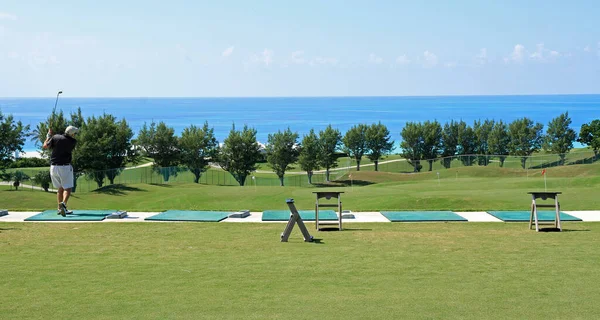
{"x":56,"y":102}
{"x":54,"y":110}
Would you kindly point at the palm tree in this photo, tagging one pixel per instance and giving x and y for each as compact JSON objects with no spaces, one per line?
{"x":17,"y":177}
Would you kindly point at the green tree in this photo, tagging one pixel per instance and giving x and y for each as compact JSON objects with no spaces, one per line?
{"x":379,"y":142}
{"x":525,"y":138}
{"x":482,"y":133}
{"x":589,"y":135}
{"x":466,"y":143}
{"x":449,"y":143}
{"x":78,"y":121}
{"x":104,"y":146}
{"x":198,"y":148}
{"x":12,"y":138}
{"x":17,"y":177}
{"x":43,"y":179}
{"x":282,"y":151}
{"x":355,"y":143}
{"x":432,"y":142}
{"x":161,"y":144}
{"x":309,"y":154}
{"x":413,"y":144}
{"x":560,"y":137}
{"x":498,"y":141}
{"x":240,"y":153}
{"x":55,"y":121}
{"x":329,"y":142}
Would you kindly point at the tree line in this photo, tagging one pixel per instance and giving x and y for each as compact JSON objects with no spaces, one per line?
{"x":106,"y":144}
{"x":430,"y":141}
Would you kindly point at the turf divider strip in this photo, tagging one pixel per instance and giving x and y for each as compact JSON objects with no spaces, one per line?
{"x":183,"y":215}
{"x":306,"y":215}
{"x":421,"y":216}
{"x":523,"y":216}
{"x":78,"y":215}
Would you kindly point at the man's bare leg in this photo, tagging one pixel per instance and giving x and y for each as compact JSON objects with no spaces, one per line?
{"x":67,"y":195}
{"x":59,"y":196}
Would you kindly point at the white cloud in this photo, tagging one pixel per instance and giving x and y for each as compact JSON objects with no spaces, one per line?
{"x":265,"y":57}
{"x":374,"y":59}
{"x":542,"y":54}
{"x":227,"y":52}
{"x":430,"y":60}
{"x":538,"y":55}
{"x":482,"y":57}
{"x":7,"y":16}
{"x":517,"y":54}
{"x":402,"y":60}
{"x":298,"y":57}
{"x":587,"y":49}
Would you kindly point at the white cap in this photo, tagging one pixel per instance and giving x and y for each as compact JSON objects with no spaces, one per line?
{"x":71,"y":130}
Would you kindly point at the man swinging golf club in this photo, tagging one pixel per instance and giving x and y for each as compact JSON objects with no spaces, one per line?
{"x":61,"y":171}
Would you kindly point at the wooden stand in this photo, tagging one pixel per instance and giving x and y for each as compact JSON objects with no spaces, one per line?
{"x":295,"y":218}
{"x":534,"y":213}
{"x":328,"y":195}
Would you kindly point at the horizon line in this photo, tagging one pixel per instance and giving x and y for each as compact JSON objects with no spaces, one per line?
{"x":308,"y":97}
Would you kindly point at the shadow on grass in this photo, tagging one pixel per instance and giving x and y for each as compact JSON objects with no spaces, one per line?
{"x":164,"y":185}
{"x":318,"y":241}
{"x":557,"y":163}
{"x":8,"y":229}
{"x":343,"y":183}
{"x":116,"y":189}
{"x":575,"y":230}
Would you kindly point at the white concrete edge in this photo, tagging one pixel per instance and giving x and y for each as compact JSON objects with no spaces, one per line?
{"x":256,"y":217}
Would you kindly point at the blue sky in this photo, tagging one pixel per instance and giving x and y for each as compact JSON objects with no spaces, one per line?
{"x":232,"y":48}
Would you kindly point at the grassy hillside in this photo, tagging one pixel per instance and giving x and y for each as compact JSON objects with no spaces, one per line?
{"x":466,"y":188}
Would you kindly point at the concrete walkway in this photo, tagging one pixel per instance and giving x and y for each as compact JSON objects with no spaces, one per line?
{"x":256,"y":217}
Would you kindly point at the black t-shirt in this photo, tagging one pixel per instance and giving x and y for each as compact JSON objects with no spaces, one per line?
{"x":62,"y":147}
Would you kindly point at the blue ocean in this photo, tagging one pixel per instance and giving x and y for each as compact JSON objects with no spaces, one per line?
{"x":268,"y":115}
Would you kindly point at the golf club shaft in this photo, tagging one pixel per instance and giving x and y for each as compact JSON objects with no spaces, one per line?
{"x":54,"y":109}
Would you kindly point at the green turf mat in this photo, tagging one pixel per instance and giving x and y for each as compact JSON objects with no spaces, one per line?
{"x":78,"y":215}
{"x":421,"y":216}
{"x":306,"y":215}
{"x":181,"y":215}
{"x":523,"y":216}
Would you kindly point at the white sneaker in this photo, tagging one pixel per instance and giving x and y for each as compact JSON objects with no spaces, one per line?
{"x":63,"y":207}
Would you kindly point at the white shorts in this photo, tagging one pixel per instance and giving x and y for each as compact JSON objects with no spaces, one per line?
{"x":62,"y":176}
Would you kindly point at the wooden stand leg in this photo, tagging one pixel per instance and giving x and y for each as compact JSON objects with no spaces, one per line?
{"x":557,"y":204}
{"x":535,"y":217}
{"x":531,"y":215}
{"x":317,"y":215}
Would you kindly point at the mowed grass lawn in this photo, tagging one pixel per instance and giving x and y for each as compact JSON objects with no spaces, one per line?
{"x":460,"y":189}
{"x":242,"y":271}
